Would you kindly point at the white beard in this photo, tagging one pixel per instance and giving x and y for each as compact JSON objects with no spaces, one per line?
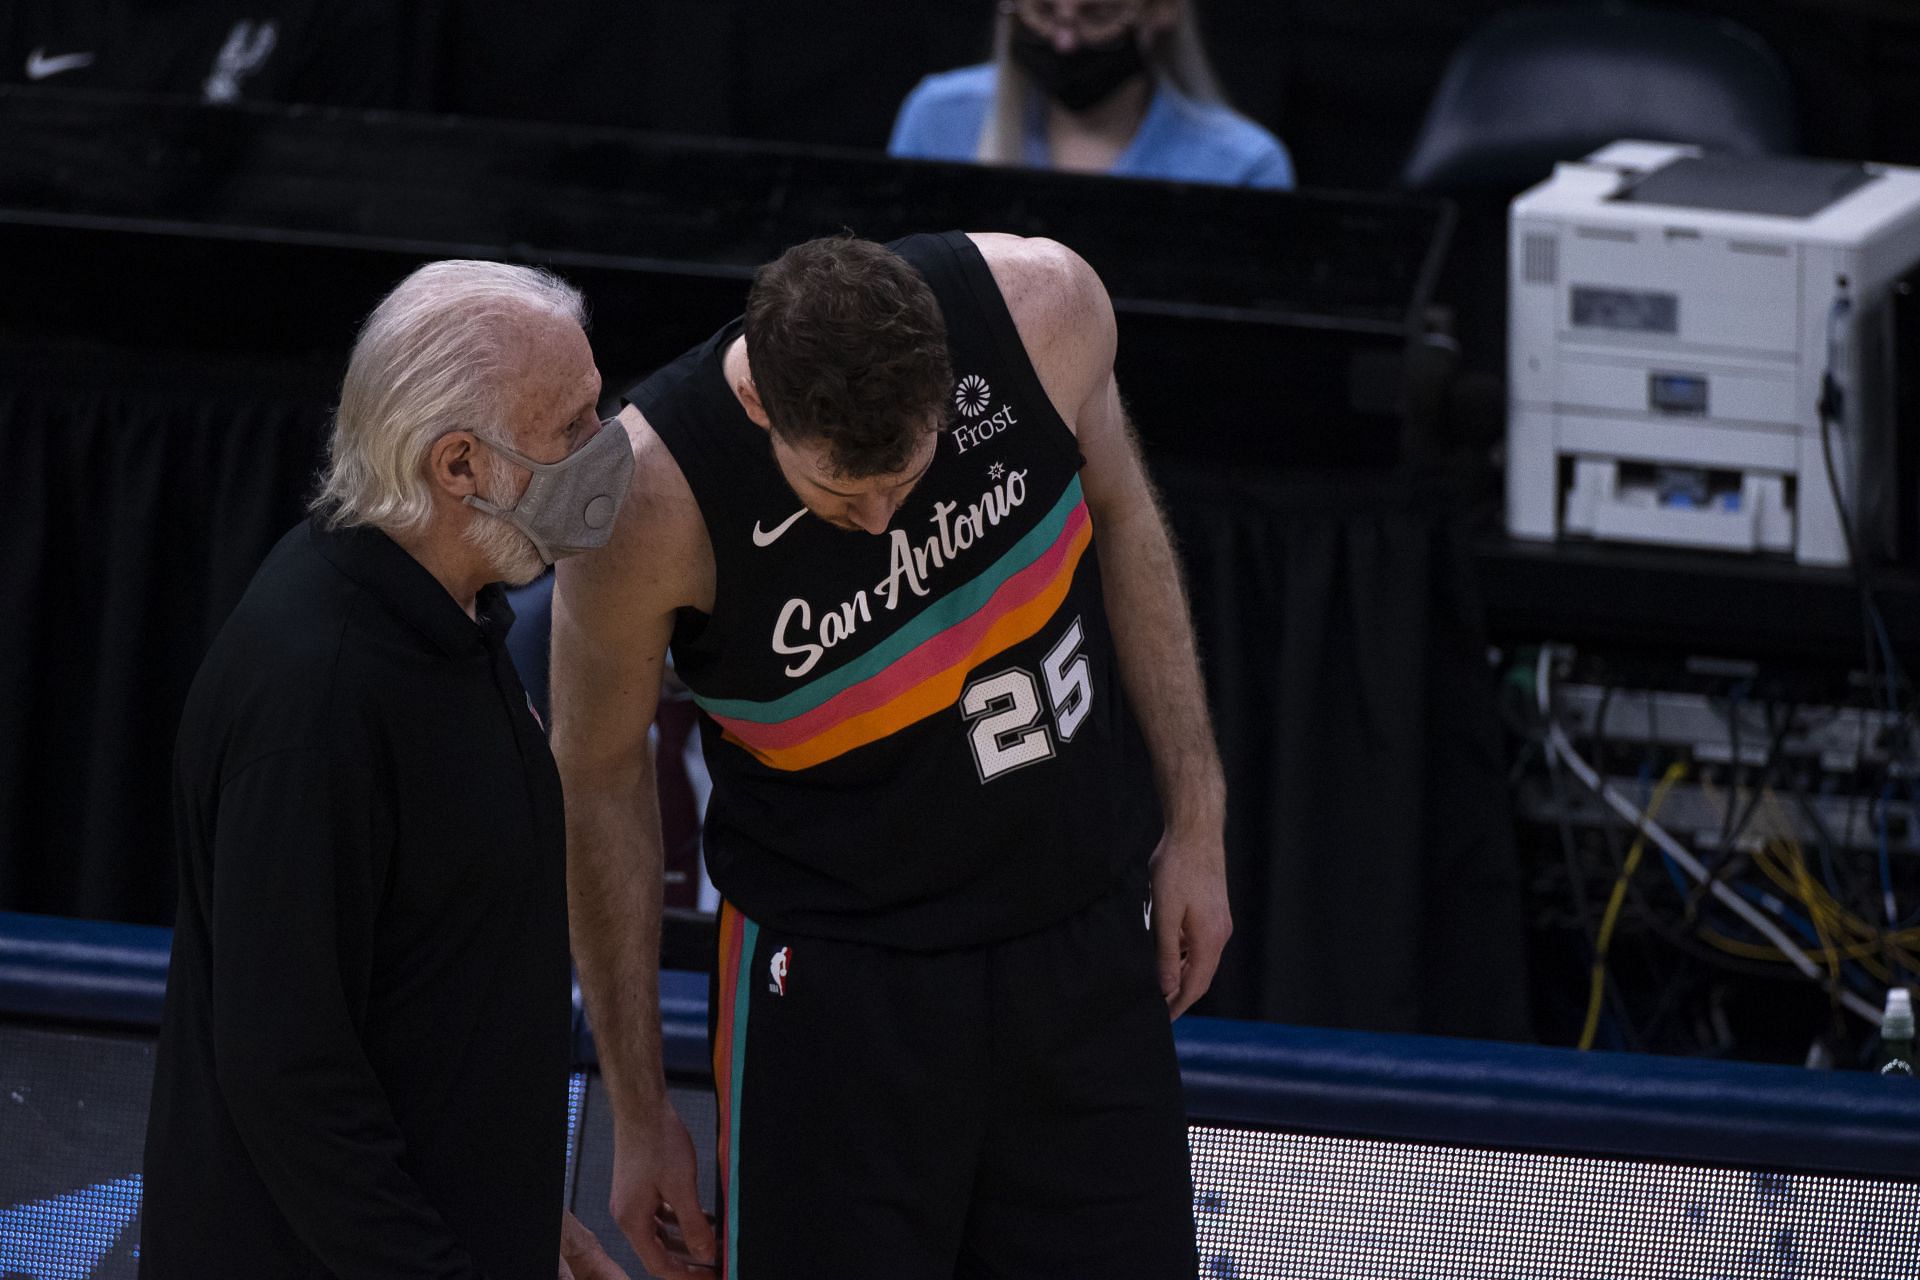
{"x":507,"y":551}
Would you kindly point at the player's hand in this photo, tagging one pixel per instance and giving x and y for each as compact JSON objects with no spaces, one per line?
{"x":581,"y":1257}
{"x":1191,"y":920}
{"x":654,"y":1197}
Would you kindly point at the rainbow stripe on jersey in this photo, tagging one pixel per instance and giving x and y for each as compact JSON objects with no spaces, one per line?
{"x":920,"y":669}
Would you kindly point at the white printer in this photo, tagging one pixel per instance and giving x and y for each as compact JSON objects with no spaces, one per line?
{"x":1674,"y":320}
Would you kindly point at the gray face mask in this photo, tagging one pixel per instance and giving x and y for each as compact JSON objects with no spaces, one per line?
{"x":569,"y":505}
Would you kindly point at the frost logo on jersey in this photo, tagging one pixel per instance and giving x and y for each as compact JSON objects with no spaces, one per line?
{"x":971,"y":396}
{"x":909,"y":565}
{"x":247,"y":49}
{"x":778,"y":968}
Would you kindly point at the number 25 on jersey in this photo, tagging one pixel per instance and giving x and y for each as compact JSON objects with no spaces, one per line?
{"x":1003,"y":711}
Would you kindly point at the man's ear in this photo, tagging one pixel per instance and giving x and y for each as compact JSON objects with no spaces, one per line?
{"x":453,"y":466}
{"x":750,"y":401}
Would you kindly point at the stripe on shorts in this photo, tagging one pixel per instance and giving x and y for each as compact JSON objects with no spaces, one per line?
{"x":737,"y":937}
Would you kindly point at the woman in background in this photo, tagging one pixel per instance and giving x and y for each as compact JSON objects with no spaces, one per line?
{"x":1096,"y":86}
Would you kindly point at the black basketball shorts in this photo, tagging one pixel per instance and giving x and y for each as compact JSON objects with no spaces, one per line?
{"x":1006,"y":1111}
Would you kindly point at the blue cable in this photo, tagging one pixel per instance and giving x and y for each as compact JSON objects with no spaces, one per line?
{"x":1887,"y":659}
{"x":1802,"y":925}
{"x":1886,"y":859}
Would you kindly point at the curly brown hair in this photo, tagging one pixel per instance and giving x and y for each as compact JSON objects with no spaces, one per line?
{"x":848,"y":349}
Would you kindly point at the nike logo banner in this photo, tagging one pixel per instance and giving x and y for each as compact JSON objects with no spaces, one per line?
{"x":40,"y":66}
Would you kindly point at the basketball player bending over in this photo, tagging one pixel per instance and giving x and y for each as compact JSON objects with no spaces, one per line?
{"x":893,"y":526}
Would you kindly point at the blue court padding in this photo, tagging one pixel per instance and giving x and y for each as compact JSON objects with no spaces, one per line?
{"x":82,"y":970}
{"x":1313,"y":1152}
{"x":1260,"y":1075}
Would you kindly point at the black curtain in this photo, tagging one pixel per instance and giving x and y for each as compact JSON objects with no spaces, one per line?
{"x":1370,"y":851}
{"x":1370,"y":848}
{"x":142,"y":492}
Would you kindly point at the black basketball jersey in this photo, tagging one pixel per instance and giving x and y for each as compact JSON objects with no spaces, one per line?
{"x":918,"y":738}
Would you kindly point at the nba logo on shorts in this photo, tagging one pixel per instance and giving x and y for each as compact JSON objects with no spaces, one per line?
{"x":778,"y":968}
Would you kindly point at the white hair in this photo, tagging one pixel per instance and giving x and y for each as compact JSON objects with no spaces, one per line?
{"x":1176,"y":58}
{"x":432,"y":358}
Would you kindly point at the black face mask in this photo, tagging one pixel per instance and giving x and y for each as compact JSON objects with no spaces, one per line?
{"x":1084,"y":78}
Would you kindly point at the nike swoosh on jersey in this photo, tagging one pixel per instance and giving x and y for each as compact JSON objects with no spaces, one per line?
{"x":764,"y":538}
{"x":40,"y":66}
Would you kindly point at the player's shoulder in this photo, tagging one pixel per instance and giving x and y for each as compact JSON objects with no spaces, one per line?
{"x":660,"y":498}
{"x":1058,"y":305}
{"x":1041,"y":277}
{"x":1026,"y":254}
{"x":659,"y":545}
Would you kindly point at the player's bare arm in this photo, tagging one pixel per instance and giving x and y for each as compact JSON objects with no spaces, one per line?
{"x":612,"y":620}
{"x":1066,"y":321}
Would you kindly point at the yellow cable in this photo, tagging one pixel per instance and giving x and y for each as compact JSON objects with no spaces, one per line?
{"x":1597,"y":990}
{"x":1843,"y":934}
{"x":1787,"y":869}
{"x":1767,"y":951}
{"x":1894,"y":946}
{"x":1867,"y":951}
{"x":1804,"y":886}
{"x":1854,"y":924}
{"x":1830,"y":918}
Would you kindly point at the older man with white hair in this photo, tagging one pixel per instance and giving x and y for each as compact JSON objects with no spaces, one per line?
{"x":363,"y":1062}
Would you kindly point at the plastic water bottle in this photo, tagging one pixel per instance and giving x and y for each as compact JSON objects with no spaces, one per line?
{"x":1896,"y":1034}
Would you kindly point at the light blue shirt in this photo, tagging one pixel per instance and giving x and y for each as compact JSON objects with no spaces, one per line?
{"x":1179,"y":139}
